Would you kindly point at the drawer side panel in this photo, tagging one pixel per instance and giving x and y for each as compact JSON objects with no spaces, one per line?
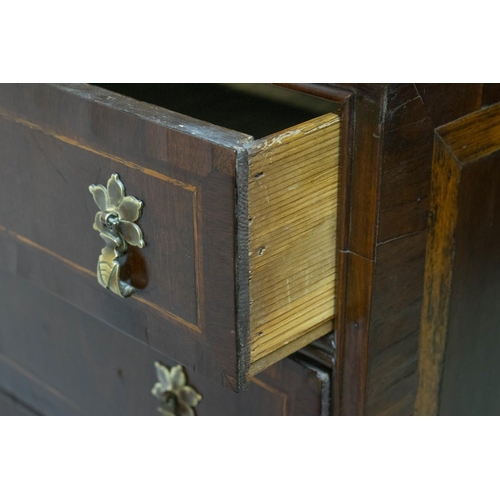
{"x":292,"y":211}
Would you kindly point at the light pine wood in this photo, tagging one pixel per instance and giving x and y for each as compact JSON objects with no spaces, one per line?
{"x":291,"y":347}
{"x":292,"y":210}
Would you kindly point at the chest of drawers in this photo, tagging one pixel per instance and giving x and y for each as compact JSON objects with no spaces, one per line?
{"x":286,"y":265}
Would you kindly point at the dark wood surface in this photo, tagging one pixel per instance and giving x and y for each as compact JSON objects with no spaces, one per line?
{"x":62,"y":361}
{"x":56,"y":140}
{"x":491,"y":93}
{"x":412,"y":114}
{"x":356,"y":239}
{"x":388,"y":139}
{"x":459,"y":346}
{"x":386,"y":215}
{"x":471,"y":375}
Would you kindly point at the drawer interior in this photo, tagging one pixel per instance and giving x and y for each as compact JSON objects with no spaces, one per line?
{"x":257,"y":109}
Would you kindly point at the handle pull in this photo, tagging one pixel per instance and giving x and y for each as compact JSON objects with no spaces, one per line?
{"x":115,"y":222}
{"x":177,"y":398}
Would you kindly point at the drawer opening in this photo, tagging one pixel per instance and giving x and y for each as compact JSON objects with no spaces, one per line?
{"x":286,"y":237}
{"x":256,"y":109}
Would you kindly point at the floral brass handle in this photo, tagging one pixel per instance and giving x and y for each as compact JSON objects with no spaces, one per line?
{"x":115,"y":223}
{"x":177,"y":398}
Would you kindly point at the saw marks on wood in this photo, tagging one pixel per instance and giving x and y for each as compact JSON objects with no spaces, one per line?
{"x":292,"y":208}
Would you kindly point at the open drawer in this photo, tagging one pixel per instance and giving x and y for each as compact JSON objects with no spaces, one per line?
{"x":239,"y":262}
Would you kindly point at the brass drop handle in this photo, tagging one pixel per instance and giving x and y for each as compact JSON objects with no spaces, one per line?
{"x":115,"y":223}
{"x":177,"y":398}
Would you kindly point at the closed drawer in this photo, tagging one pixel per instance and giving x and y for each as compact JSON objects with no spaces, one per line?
{"x":58,"y":360}
{"x":238,"y":268}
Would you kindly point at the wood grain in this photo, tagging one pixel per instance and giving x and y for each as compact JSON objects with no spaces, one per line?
{"x":59,"y":360}
{"x":473,"y":136}
{"x":381,"y":263}
{"x":445,"y":102}
{"x":462,"y":202}
{"x":409,"y":114}
{"x":363,"y":111}
{"x":328,"y":350}
{"x":292,"y":210}
{"x":438,"y":268}
{"x":306,"y":338}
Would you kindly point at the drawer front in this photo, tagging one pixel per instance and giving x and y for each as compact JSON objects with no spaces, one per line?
{"x":237,"y":271}
{"x":58,"y":360}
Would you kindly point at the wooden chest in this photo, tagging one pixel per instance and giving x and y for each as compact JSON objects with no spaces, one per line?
{"x":269,"y":239}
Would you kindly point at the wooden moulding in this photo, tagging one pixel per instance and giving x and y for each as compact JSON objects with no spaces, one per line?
{"x":459,"y":166}
{"x":292,"y":218}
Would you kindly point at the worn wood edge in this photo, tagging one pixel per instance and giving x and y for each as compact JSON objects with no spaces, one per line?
{"x":324,"y":379}
{"x":446,"y":172}
{"x":362,"y":154}
{"x":345,"y":167}
{"x":362,"y":149}
{"x":287,"y":135}
{"x":156,"y":114}
{"x":282,"y":94}
{"x":474,"y":135}
{"x":284,"y":351}
{"x":334,"y":93}
{"x":242,"y":272}
{"x":462,"y":141}
{"x":318,"y":355}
